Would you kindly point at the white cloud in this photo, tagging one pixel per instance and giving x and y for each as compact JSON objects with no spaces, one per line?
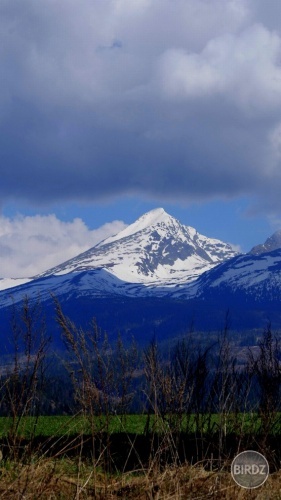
{"x":236,"y":247}
{"x":32,"y":244}
{"x":243,"y":68}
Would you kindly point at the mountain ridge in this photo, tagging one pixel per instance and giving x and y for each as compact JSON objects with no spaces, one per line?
{"x":157,"y":275}
{"x":155,"y":248}
{"x":272,"y":243}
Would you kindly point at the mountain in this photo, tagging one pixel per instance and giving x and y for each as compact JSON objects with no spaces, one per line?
{"x":126,"y":281}
{"x":155,"y":250}
{"x":158,"y":276}
{"x":255,"y":278}
{"x":272,"y":243}
{"x":153,"y":255}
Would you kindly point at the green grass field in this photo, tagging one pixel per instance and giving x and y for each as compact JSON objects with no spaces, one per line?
{"x":67,"y":425}
{"x":134,"y":424}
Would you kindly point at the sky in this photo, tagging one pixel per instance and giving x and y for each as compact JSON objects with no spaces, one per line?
{"x":110,"y":108}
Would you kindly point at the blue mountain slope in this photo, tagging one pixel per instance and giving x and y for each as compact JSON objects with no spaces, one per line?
{"x":248,"y":286}
{"x":257,"y":277}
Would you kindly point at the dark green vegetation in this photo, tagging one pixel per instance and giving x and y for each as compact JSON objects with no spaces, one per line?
{"x":124,"y":409}
{"x":48,"y":426}
{"x":65,"y":425}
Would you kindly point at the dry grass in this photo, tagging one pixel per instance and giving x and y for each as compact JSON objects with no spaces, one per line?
{"x":65,"y":479}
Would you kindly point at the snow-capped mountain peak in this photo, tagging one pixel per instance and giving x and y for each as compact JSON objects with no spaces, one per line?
{"x":155,"y":250}
{"x":156,"y":216}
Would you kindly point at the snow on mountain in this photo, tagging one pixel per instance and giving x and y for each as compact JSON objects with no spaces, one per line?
{"x":91,"y":284}
{"x":157,"y":257}
{"x":156,"y":250}
{"x":272,"y":243}
{"x":257,"y":276}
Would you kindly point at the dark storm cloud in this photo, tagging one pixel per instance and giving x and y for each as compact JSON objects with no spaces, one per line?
{"x":178,"y":99}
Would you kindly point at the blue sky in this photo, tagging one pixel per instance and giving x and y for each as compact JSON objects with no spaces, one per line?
{"x":228,"y":221}
{"x":109,"y":109}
